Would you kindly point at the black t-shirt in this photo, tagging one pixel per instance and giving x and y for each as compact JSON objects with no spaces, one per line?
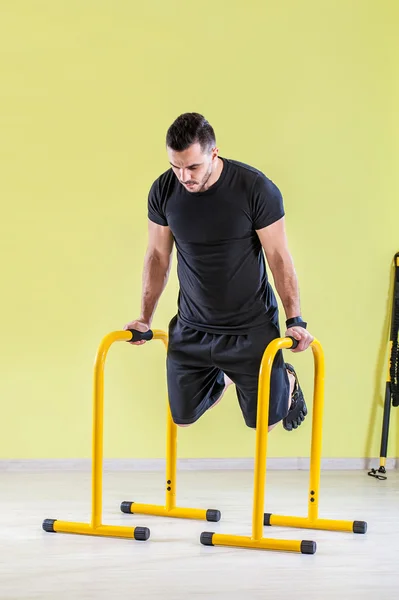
{"x":221,"y":266}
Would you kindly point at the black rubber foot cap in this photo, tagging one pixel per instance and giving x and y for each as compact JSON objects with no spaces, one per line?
{"x":141,"y":533}
{"x":266,"y":518}
{"x":359,"y":526}
{"x":126,"y":507}
{"x":308,"y":547}
{"x":48,"y":525}
{"x":206,"y":538}
{"x":213,"y":515}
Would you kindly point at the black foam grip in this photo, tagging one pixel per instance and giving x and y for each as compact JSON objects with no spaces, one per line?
{"x":138,"y":336}
{"x":294,"y":341}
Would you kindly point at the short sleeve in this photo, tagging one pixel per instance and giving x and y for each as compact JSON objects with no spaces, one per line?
{"x":155,"y":209}
{"x":267,"y":202}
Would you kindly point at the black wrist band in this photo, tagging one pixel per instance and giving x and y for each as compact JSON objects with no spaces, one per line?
{"x":295,"y":321}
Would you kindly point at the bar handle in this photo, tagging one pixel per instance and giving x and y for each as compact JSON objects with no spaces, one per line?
{"x":138,"y":336}
{"x":294,"y":341}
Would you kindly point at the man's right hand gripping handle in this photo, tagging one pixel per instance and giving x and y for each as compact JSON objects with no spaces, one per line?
{"x":141,"y":326}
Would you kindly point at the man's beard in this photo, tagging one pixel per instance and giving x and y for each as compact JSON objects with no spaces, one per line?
{"x":205,"y":180}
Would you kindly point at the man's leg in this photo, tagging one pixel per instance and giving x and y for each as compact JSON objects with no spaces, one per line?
{"x":292,"y":380}
{"x":227,"y":383}
{"x":298,"y":409}
{"x":194,"y":383}
{"x":239,"y":357}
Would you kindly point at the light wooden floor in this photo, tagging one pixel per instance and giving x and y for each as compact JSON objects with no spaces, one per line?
{"x":172,"y":564}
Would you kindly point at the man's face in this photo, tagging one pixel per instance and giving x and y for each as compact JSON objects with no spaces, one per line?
{"x":193,"y":167}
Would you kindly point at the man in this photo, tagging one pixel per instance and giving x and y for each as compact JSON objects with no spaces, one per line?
{"x":220,"y":214}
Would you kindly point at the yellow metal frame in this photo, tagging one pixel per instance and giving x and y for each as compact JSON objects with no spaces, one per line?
{"x":170,"y":509}
{"x":96,"y":527}
{"x":259,"y":519}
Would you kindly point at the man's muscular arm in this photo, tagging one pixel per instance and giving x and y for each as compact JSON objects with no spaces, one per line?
{"x":274,"y":242}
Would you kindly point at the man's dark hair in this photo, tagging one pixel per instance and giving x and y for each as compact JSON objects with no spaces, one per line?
{"x":189,"y":129}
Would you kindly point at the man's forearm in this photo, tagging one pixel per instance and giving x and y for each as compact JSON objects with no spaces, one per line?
{"x":286,"y":283}
{"x":155,"y":277}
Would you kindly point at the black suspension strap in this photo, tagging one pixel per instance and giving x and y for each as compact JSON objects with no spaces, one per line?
{"x":394,"y":360}
{"x":392,"y":383}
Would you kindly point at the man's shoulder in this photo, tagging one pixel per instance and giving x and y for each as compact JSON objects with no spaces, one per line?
{"x":244,"y":169}
{"x":164,"y":184}
{"x":253,"y":177}
{"x":164,"y":178}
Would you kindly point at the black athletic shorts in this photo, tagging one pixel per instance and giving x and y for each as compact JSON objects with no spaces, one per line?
{"x":196,"y":362}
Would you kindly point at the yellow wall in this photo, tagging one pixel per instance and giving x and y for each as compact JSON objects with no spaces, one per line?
{"x":304,"y":90}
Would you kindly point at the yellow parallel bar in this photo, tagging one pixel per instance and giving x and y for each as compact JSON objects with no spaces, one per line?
{"x":262,"y":424}
{"x":317,"y":428}
{"x":159,"y":334}
{"x":115,"y":531}
{"x":261,"y":544}
{"x":71,"y":527}
{"x":98,"y":416}
{"x":87,"y":529}
{"x":170,"y":509}
{"x":171,"y":460}
{"x":188,"y":513}
{"x":306,"y":523}
{"x":171,"y":443}
{"x":98,"y":422}
{"x":333,"y":525}
{"x":162,"y":511}
{"x":148,"y":509}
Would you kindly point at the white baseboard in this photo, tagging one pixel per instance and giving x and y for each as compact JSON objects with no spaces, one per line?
{"x":192,"y":464}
